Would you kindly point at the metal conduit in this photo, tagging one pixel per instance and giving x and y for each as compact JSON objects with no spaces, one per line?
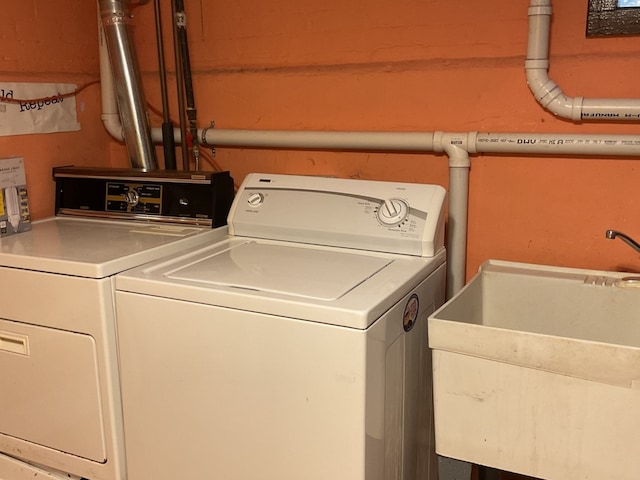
{"x":116,"y":21}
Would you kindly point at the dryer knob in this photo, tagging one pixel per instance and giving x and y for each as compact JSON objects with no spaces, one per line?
{"x":132,"y":197}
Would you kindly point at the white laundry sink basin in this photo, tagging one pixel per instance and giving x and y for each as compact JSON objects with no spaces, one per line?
{"x":537,"y":371}
{"x":580,"y":323}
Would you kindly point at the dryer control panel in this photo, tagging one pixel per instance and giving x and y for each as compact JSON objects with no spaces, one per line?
{"x":405,"y":218}
{"x":195,"y":198}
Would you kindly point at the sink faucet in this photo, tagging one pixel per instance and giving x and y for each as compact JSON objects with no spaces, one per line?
{"x":625,"y":238}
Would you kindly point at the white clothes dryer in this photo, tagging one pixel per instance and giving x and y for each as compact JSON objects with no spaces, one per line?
{"x":294,"y":348}
{"x":60,"y":408}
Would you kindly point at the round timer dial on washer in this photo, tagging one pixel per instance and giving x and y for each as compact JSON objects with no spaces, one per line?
{"x":255,"y":199}
{"x":393,"y":211}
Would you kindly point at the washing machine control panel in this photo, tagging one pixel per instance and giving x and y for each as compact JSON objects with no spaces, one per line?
{"x":391,"y":217}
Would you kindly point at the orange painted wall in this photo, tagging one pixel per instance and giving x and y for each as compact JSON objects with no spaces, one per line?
{"x":50,"y":43}
{"x":406,"y":65}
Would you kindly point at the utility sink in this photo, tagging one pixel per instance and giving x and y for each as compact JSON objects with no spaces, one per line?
{"x":537,"y":371}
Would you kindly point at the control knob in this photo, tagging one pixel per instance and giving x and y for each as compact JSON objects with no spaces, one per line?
{"x":393,"y":211}
{"x":255,"y":199}
{"x":132,"y":197}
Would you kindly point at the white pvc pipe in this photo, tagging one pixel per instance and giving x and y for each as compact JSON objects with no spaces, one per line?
{"x":439,"y":142}
{"x":549,"y":94}
{"x":363,"y":141}
{"x":457,"y":229}
{"x":558,"y":143}
{"x":110,"y":115}
{"x":457,"y":147}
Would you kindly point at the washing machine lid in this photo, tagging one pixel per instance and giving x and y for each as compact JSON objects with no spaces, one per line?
{"x":283,"y":269}
{"x":97,"y":248}
{"x":343,"y":287}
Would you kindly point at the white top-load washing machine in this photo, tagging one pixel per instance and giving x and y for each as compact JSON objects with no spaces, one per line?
{"x":60,"y":410}
{"x":296,"y":346}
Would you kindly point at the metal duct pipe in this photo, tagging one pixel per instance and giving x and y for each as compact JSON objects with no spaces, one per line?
{"x":116,"y":22}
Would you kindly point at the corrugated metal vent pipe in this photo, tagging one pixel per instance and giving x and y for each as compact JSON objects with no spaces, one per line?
{"x":116,"y":22}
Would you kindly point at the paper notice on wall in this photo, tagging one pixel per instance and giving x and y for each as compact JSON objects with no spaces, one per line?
{"x":37,"y":108}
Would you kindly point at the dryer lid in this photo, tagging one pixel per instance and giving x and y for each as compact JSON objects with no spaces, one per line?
{"x":96,"y":248}
{"x":290,"y":270}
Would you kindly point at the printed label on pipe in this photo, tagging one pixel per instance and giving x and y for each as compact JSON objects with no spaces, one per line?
{"x":27,"y":108}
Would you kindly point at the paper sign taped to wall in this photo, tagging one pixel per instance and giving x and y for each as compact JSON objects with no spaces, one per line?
{"x":37,"y":108}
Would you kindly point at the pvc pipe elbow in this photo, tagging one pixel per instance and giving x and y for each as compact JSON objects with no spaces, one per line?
{"x":549,"y":94}
{"x":113,"y":126}
{"x":566,"y":107}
